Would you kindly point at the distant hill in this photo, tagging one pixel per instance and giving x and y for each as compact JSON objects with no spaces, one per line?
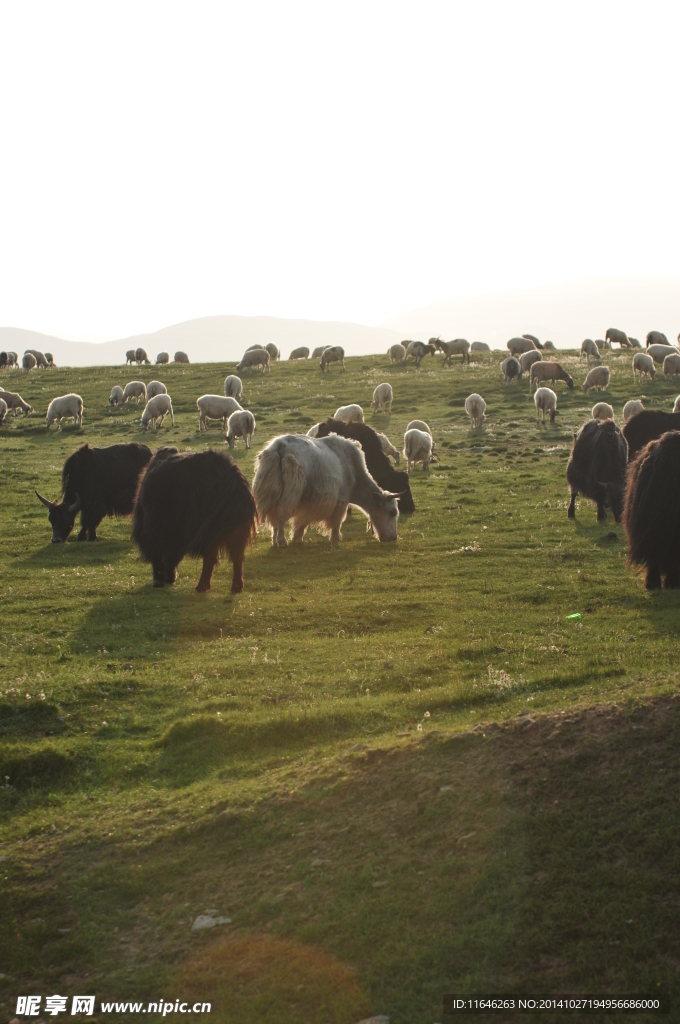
{"x":208,"y":339}
{"x":564,"y":313}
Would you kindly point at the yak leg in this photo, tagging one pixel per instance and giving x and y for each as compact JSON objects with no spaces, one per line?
{"x":571,"y":511}
{"x":672,"y":579}
{"x":653,"y":577}
{"x":279,"y":533}
{"x":335,"y":521}
{"x":158,"y":574}
{"x":601,"y":512}
{"x":236,"y":546}
{"x":209,"y":563}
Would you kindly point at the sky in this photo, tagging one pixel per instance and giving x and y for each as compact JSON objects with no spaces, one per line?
{"x":336,"y":161}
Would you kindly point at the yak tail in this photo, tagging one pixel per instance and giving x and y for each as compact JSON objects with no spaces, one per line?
{"x":279,"y":482}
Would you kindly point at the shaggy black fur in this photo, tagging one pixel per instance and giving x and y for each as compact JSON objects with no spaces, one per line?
{"x":377,"y":463}
{"x":597,"y":467}
{"x":652,"y":513}
{"x":194,"y":503}
{"x":97,"y":482}
{"x":647,"y":426}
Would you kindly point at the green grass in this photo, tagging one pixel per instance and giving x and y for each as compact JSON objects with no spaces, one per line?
{"x":398,"y":768}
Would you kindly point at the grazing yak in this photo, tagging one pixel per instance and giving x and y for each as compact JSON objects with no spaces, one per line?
{"x":377,"y":462}
{"x":616,"y":337}
{"x":193,"y":503}
{"x":312,"y":480}
{"x":96,"y":482}
{"x":646,"y":426}
{"x":332,"y":354}
{"x":652,"y":512}
{"x":597,"y":467}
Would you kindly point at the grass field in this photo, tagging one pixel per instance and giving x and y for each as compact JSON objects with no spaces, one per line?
{"x":398,"y":769}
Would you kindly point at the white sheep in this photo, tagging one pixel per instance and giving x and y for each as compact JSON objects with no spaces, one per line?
{"x":233,"y":387}
{"x":511,"y":369}
{"x":155,"y":409}
{"x":671,"y":365}
{"x":386,"y":446}
{"x":240,"y":424}
{"x":255,"y":357}
{"x":155,"y":387}
{"x":216,"y":407}
{"x":642,"y":363}
{"x":598,"y":377}
{"x":116,"y":396}
{"x":527,"y":360}
{"x":417,"y":448}
{"x":29,"y":362}
{"x":3,"y":410}
{"x":475,"y":407}
{"x":590,"y":350}
{"x":397,"y":353}
{"x":545,"y":401}
{"x":163,"y":357}
{"x":632,"y":408}
{"x":676,"y":406}
{"x":350,"y":414}
{"x":382,"y":398}
{"x":135,"y":389}
{"x":659,"y":352}
{"x":479,"y":346}
{"x":419,"y":425}
{"x":602,"y":411}
{"x":64,"y":408}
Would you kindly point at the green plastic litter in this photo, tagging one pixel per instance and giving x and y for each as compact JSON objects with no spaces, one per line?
{"x":576,"y":617}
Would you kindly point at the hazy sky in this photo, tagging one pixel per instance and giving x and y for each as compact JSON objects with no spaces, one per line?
{"x":326,"y":160}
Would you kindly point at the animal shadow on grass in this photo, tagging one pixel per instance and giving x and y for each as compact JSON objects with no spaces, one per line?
{"x":78,"y":553}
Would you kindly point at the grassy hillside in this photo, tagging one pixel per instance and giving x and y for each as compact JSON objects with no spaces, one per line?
{"x":398,"y":769}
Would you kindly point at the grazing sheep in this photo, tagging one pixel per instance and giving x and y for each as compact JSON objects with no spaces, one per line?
{"x":631,"y":408}
{"x":141,"y":356}
{"x":155,"y":387}
{"x":332,"y":354}
{"x":215,"y":407}
{"x":527,"y":360}
{"x":616,"y":337}
{"x":602,"y":411}
{"x":116,"y":396}
{"x":49,"y":359}
{"x":597,"y":378}
{"x":3,"y":360}
{"x":255,"y":357}
{"x":417,"y":350}
{"x":300,"y":353}
{"x":29,"y":362}
{"x":65,"y":408}
{"x":457,"y":347}
{"x":40,"y":358}
{"x":240,"y":424}
{"x":319,"y":351}
{"x":233,"y":387}
{"x":397,"y":353}
{"x":135,"y":389}
{"x":642,"y":363}
{"x":405,"y":344}
{"x":532,"y":337}
{"x":162,"y":358}
{"x":652,"y":512}
{"x":382,"y":398}
{"x":545,"y":401}
{"x":511,"y":369}
{"x":549,"y":345}
{"x":479,"y":346}
{"x":155,"y":409}
{"x":590,"y":350}
{"x":659,"y":352}
{"x":634,"y":343}
{"x":602,"y":344}
{"x":676,"y":406}
{"x":475,"y":407}
{"x":15,"y":402}
{"x":647,"y":426}
{"x":656,"y":338}
{"x":553,"y":372}
{"x":350,"y":414}
{"x":181,"y":357}
{"x":3,"y":410}
{"x":377,"y":461}
{"x":385,"y":443}
{"x":518,"y":345}
{"x":312,"y":481}
{"x":671,"y":365}
{"x":417,"y":448}
{"x":419,"y":425}
{"x":130,"y":356}
{"x":597,"y":467}
{"x":12,"y":359}
{"x":274,"y":353}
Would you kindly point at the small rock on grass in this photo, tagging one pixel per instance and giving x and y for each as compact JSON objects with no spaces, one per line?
{"x":208,"y":920}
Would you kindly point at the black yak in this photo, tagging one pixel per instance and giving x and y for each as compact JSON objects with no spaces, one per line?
{"x":652,"y":513}
{"x":96,"y":482}
{"x":647,"y":426}
{"x":597,"y":467}
{"x":377,"y":463}
{"x":194,"y":503}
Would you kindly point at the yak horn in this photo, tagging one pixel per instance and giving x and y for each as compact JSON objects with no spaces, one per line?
{"x":46,"y":503}
{"x":76,"y":504}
